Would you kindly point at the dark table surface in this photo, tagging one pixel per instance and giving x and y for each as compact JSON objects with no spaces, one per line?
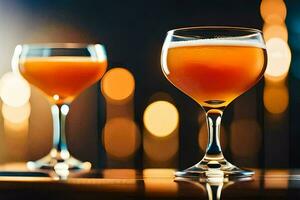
{"x":17,"y":183}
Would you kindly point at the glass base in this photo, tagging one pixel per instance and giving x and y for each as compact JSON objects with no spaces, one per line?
{"x":206,"y":168}
{"x":56,"y":160}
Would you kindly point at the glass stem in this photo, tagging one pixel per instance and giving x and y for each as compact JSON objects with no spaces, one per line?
{"x":213,"y":150}
{"x":59,"y":114}
{"x":214,"y":191}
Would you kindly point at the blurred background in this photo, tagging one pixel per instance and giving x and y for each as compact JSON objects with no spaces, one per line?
{"x":135,"y":118}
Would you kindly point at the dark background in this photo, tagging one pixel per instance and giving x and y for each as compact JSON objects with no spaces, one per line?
{"x":133,"y":33}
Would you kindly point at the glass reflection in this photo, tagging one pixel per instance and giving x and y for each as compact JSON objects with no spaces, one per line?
{"x":213,"y":183}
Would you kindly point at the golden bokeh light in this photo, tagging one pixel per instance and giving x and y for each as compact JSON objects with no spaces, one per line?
{"x":276,"y":179}
{"x":120,"y":177}
{"x":118,"y":84}
{"x":16,"y":114}
{"x":161,"y":187}
{"x":273,"y":11}
{"x":14,"y":90}
{"x":158,"y":180}
{"x":15,"y":140}
{"x":203,"y":138}
{"x":161,"y":118}
{"x":121,"y":138}
{"x":16,"y":125}
{"x":276,"y":98}
{"x":160,"y":149}
{"x":245,"y":138}
{"x":16,"y":130}
{"x":279,"y":58}
{"x":275,"y":31}
{"x":158,"y":173}
{"x":119,"y":173}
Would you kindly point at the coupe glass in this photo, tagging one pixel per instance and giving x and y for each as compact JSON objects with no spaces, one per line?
{"x":61,"y":72}
{"x":214,"y":65}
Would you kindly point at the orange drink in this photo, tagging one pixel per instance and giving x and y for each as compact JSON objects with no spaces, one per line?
{"x":214,"y":73}
{"x":62,"y":77}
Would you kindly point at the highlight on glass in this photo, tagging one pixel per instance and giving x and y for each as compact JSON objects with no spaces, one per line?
{"x":214,"y":65}
{"x":61,"y":71}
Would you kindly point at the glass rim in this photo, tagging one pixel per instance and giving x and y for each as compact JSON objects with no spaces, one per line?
{"x":216,"y":28}
{"x":69,"y":45}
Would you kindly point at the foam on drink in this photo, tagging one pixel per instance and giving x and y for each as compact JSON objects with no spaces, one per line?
{"x":217,"y":42}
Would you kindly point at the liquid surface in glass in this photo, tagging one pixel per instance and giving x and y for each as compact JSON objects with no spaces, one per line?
{"x":214,"y":72}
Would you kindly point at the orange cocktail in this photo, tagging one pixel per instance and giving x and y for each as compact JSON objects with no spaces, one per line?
{"x":61,"y":71}
{"x":214,"y":65}
{"x":214,"y":73}
{"x":62,"y":77}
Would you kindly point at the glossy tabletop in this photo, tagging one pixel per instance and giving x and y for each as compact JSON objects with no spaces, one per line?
{"x":17,"y":183}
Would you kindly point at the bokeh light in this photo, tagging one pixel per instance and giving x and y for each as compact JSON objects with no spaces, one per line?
{"x":16,"y":140}
{"x":276,"y":179}
{"x":163,"y":187}
{"x":275,"y":31}
{"x":121,"y":138}
{"x":161,"y":118}
{"x":16,"y":114}
{"x":276,"y":95}
{"x":16,"y":130}
{"x":158,"y":180}
{"x":119,"y":173}
{"x":279,"y":59}
{"x":276,"y":98}
{"x":160,"y":149}
{"x":14,"y":90}
{"x":203,"y":138}
{"x":245,"y":138}
{"x":118,"y":84}
{"x":158,"y":173}
{"x":127,"y":178}
{"x":273,"y":11}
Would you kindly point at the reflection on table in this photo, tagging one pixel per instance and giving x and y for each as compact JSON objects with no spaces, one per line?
{"x":148,"y":183}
